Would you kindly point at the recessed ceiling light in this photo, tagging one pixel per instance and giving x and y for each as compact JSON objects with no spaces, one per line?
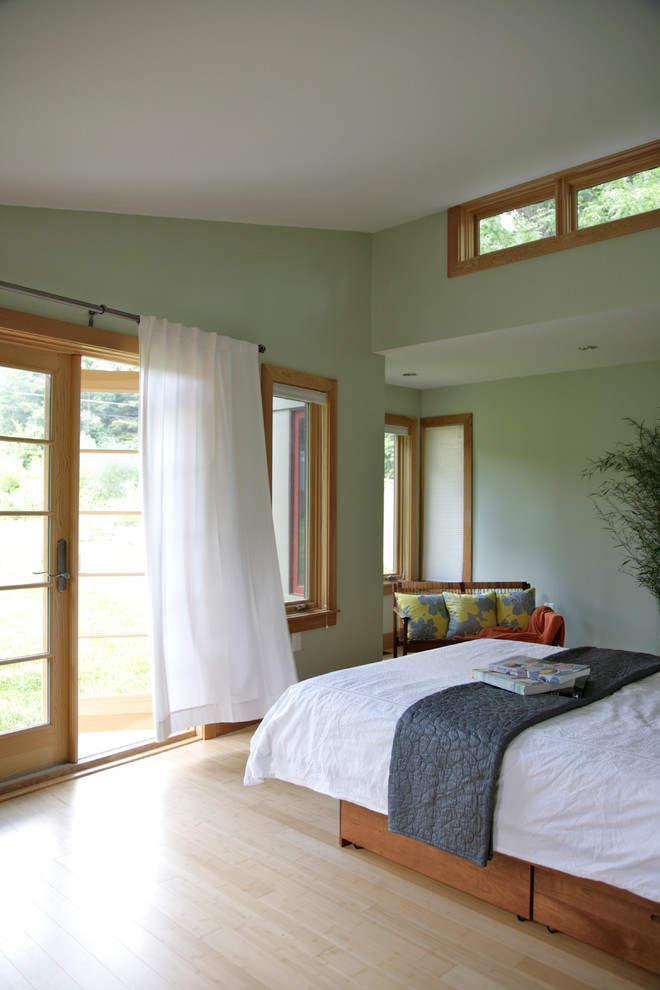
{"x":588,"y":347}
{"x":409,"y":374}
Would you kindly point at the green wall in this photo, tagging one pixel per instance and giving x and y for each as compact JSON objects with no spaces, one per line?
{"x":320,"y":301}
{"x":533,"y":519}
{"x":413,"y":301}
{"x":533,"y":436}
{"x":403,"y":401}
{"x":532,"y":515}
{"x":305,"y":294}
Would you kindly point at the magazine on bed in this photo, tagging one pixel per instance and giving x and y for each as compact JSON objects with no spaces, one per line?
{"x":521,"y":684}
{"x":518,"y":683}
{"x":555,"y":672}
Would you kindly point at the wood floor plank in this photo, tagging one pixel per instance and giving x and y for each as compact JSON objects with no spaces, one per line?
{"x":66,"y":951}
{"x":168,"y":874}
{"x":37,"y":967}
{"x":10,"y":977}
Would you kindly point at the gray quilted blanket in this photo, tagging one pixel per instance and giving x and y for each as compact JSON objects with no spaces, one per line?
{"x":448,"y":749}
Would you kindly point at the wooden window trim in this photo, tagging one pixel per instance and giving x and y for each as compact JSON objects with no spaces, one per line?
{"x":463,"y":220}
{"x":321,"y":607}
{"x":464,"y":420}
{"x":67,"y":338}
{"x":407,"y":500}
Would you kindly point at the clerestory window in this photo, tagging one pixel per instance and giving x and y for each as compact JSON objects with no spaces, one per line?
{"x":606,"y":198}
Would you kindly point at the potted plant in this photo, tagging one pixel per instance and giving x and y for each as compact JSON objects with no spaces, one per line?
{"x":628,"y":502}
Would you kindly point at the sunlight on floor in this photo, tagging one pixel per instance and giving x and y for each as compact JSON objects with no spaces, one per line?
{"x":99,"y":743}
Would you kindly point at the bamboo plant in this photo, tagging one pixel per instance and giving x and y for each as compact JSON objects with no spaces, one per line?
{"x":628,"y":502}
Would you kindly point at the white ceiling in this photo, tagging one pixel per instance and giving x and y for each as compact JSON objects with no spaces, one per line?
{"x":343,"y":114}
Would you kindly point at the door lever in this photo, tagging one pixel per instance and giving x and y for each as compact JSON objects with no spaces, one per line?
{"x":62,"y":574}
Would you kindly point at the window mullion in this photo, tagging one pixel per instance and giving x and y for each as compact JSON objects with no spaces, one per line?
{"x":565,"y":209}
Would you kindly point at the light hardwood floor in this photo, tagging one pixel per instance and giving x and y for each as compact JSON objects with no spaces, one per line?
{"x":169,"y":873}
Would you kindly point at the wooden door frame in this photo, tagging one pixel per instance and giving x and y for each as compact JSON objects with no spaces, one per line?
{"x":54,"y":741}
{"x":28,"y":332}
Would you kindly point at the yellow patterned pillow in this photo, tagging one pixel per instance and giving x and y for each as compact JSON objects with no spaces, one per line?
{"x":514,"y":609}
{"x":428,"y":615}
{"x":469,"y":614}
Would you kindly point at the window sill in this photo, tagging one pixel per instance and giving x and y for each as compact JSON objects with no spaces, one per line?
{"x":311,"y":619}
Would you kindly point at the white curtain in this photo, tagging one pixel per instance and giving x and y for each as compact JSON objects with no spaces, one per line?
{"x":219,"y":642}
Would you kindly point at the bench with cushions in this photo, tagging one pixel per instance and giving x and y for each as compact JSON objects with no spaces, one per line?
{"x":429,"y":614}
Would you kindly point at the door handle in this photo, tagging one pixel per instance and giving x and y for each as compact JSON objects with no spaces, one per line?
{"x":62,"y":574}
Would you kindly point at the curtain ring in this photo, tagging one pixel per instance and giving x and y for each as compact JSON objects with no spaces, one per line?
{"x":93,"y":313}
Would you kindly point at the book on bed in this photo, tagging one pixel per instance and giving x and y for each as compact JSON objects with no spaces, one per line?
{"x":555,"y":672}
{"x":522,"y":684}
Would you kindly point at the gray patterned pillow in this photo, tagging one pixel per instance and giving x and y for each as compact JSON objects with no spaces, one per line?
{"x":469,"y":614}
{"x":428,"y":615}
{"x":514,"y":609}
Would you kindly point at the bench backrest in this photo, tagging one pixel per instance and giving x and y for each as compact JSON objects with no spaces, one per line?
{"x":459,"y":587}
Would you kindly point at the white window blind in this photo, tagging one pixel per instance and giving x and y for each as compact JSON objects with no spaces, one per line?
{"x":443,"y":503}
{"x":295,"y":392}
{"x":397,"y":431}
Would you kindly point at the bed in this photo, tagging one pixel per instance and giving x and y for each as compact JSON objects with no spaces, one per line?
{"x":575,"y":830}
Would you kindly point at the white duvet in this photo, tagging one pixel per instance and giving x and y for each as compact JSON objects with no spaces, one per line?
{"x":579,"y":793}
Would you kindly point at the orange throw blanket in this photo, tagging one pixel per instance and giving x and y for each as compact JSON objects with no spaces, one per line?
{"x":545,"y":626}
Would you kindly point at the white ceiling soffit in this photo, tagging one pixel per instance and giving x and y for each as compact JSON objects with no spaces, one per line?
{"x":620,"y":336}
{"x":343,"y":114}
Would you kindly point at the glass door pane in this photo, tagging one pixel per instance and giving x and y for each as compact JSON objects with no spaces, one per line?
{"x":25,"y":429}
{"x":23,"y":694}
{"x":38,"y":418}
{"x":114,"y":679}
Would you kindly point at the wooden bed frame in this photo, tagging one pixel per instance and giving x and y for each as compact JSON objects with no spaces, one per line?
{"x":615,"y":920}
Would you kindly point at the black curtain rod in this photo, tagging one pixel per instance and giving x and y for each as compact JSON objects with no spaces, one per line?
{"x":91,"y":308}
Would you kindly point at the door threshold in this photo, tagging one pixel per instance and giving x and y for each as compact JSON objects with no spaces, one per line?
{"x":92,"y":744}
{"x":69,"y":771}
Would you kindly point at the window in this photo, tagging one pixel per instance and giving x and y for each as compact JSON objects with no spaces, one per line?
{"x":606,"y":198}
{"x":300,"y":418}
{"x":618,"y":198}
{"x":399,"y":498}
{"x":517,"y":226}
{"x":446,"y":522}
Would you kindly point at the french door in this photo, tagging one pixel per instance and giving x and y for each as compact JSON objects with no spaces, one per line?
{"x":39,"y":428}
